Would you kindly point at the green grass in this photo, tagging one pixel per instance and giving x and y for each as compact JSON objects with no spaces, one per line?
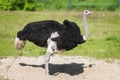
{"x":103,"y":42}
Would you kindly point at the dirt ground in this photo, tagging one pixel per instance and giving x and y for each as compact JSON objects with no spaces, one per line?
{"x":61,"y":68}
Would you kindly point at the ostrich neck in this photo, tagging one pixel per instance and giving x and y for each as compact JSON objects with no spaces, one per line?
{"x":85,"y":27}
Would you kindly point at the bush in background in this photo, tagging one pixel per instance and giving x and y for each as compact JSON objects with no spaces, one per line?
{"x":33,"y":5}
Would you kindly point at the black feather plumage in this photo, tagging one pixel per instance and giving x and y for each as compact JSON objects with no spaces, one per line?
{"x":39,"y":32}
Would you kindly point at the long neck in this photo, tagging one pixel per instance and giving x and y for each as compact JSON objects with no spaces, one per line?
{"x":85,"y":27}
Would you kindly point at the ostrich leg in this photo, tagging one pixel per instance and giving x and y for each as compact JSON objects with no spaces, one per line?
{"x":47,"y":58}
{"x":51,"y":45}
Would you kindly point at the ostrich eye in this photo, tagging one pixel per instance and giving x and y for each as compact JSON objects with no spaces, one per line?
{"x":86,"y":11}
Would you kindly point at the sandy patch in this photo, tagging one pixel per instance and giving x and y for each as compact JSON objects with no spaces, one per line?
{"x":61,"y":68}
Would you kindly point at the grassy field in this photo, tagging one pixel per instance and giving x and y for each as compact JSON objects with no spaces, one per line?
{"x":103,"y":42}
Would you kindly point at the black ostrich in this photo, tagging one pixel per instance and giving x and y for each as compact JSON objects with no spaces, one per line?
{"x":53,"y":36}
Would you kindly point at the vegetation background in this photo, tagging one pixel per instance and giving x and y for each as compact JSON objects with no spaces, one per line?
{"x":104,"y":25}
{"x":38,"y":5}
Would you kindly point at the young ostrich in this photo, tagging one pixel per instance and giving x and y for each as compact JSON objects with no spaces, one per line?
{"x":53,"y":36}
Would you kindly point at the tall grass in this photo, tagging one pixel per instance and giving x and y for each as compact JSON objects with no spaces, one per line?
{"x":103,"y":42}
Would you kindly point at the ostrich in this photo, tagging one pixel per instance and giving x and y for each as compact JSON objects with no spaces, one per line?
{"x":53,"y":35}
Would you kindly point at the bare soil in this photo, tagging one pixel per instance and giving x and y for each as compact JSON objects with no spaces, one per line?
{"x":61,"y":68}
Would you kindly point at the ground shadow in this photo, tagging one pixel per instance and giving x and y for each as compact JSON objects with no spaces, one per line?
{"x":71,"y":68}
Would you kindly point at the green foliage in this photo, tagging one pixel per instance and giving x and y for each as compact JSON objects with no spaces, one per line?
{"x":29,"y":7}
{"x":12,"y":4}
{"x":32,"y":5}
{"x":17,"y":5}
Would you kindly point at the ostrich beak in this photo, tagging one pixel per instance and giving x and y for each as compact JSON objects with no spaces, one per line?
{"x":19,"y":44}
{"x":91,"y":12}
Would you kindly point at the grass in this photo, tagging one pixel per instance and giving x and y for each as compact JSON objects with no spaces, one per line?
{"x":103,"y":42}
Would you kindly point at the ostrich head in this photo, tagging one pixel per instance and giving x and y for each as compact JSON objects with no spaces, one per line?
{"x":87,"y":12}
{"x":20,"y":40}
{"x":19,"y":44}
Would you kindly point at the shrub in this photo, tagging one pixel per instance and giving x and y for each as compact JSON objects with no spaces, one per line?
{"x":32,"y":5}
